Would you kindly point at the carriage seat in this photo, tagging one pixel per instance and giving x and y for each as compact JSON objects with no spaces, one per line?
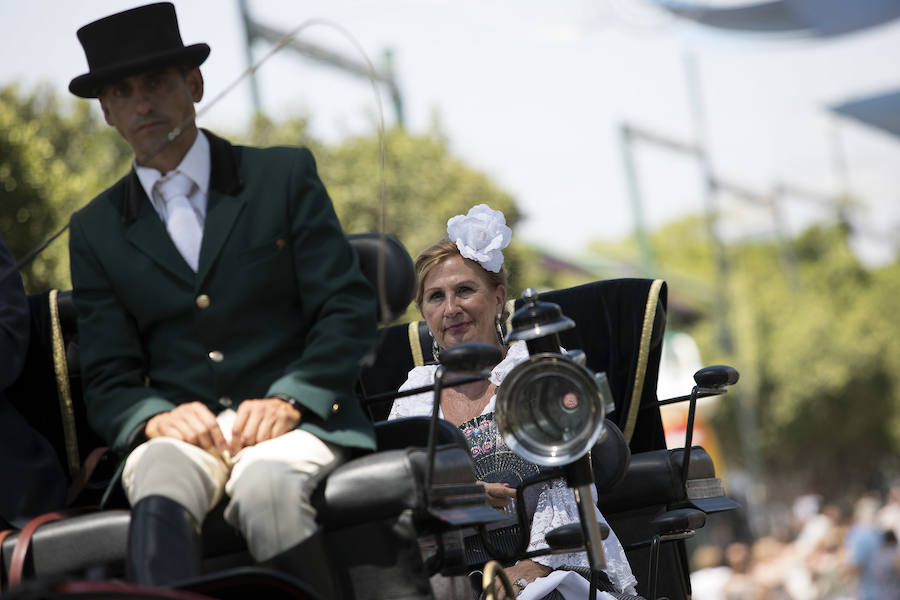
{"x":393,"y":478}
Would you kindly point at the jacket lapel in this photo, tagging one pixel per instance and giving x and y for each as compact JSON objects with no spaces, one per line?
{"x":221,"y":213}
{"x":146,"y":231}
{"x":223,"y":203}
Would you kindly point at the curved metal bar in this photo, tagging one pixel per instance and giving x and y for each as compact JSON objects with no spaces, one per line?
{"x":432,"y":427}
{"x":494,"y":569}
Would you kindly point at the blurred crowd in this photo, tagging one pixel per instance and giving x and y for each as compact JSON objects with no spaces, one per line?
{"x":827,"y":553}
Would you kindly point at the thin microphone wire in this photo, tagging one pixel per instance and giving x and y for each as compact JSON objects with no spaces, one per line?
{"x":177,"y":131}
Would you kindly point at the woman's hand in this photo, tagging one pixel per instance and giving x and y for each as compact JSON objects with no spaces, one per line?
{"x":524,"y":569}
{"x":498,"y":494}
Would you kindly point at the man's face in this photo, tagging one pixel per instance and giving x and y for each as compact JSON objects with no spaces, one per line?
{"x":145,"y":107}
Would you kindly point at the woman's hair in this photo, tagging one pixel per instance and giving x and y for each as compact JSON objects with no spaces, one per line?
{"x":437,"y":253}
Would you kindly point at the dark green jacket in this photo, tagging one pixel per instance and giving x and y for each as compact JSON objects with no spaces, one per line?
{"x":278,"y":304}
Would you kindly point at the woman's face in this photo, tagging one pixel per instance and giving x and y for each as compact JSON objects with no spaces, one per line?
{"x":459,"y":304}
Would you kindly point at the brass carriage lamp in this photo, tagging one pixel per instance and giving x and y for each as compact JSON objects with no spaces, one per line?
{"x":551,"y":408}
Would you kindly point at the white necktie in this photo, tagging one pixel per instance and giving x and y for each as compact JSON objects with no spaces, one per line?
{"x":182,"y":223}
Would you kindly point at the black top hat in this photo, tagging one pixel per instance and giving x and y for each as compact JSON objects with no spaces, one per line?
{"x":130,"y":42}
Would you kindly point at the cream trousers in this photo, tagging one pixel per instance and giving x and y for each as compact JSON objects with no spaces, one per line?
{"x":269,"y":484}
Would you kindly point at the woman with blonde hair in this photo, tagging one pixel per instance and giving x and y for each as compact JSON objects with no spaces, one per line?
{"x":461,"y":295}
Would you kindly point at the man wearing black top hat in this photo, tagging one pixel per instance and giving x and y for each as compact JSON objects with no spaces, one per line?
{"x":222,"y":315}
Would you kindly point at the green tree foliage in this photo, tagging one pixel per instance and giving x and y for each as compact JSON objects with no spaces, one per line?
{"x":423,"y":186}
{"x":53,"y":159}
{"x":818,"y":347}
{"x":55,"y":156}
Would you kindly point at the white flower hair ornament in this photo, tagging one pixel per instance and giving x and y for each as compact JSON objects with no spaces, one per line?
{"x":481,"y":235}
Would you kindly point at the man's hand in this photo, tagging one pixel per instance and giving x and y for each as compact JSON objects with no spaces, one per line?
{"x":524,"y":569}
{"x":259,"y":420}
{"x":193,"y":423}
{"x":498,"y":494}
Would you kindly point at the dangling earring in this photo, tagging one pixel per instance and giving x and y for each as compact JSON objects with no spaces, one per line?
{"x":499,"y":326}
{"x":435,"y":349}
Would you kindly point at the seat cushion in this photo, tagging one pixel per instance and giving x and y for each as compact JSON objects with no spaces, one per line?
{"x":76,"y":543}
{"x":654,"y":478}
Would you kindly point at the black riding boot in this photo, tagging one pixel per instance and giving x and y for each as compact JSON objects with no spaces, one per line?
{"x":308,"y":562}
{"x":164,"y":544}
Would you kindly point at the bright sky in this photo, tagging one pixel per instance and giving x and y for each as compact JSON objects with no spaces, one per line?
{"x":534,"y":93}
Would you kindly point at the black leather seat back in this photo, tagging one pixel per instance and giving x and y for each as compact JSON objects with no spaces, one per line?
{"x":392,"y":362}
{"x":387,"y":265}
{"x":613,"y":320}
{"x":610,"y":459}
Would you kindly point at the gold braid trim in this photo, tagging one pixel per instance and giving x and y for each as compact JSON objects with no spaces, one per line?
{"x":61,"y":370}
{"x":414,"y":345}
{"x":643,"y":357}
{"x":510,"y":309}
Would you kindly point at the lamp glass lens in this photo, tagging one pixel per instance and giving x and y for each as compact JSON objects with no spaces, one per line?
{"x":549,"y":410}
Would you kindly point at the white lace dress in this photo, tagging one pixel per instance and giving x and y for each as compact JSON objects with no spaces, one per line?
{"x":555,"y":502}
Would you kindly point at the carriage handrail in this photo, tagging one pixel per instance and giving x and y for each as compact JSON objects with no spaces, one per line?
{"x":713,"y":380}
